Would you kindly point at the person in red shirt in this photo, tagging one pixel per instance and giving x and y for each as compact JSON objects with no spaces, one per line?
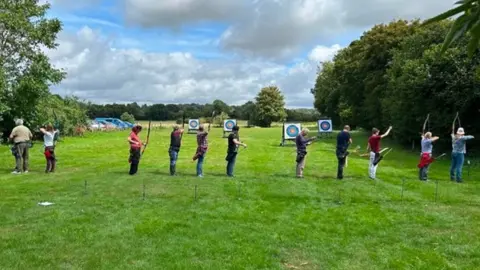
{"x":135,"y":148}
{"x":374,"y":148}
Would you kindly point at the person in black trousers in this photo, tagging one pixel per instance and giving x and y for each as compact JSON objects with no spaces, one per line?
{"x":135,"y":149}
{"x":343,"y":141}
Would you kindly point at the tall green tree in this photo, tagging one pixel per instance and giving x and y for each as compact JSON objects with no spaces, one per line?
{"x":270,"y":106}
{"x":25,"y":71}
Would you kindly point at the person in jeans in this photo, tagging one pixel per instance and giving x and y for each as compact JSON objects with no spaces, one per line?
{"x":426,"y":156}
{"x":175,"y":143}
{"x":458,"y":153}
{"x":202,"y":147}
{"x":135,"y":149}
{"x":49,"y":144}
{"x":21,"y":137}
{"x":301,"y":143}
{"x":343,"y":141}
{"x":232,"y":151}
{"x":374,"y":148}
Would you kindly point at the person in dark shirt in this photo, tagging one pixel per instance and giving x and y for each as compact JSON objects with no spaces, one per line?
{"x":343,"y":141}
{"x":301,"y":143}
{"x":374,"y":148}
{"x":233,"y":143}
{"x":175,"y":143}
{"x":202,"y":147}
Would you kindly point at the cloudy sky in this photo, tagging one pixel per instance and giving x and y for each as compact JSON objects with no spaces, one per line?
{"x":182,"y":51}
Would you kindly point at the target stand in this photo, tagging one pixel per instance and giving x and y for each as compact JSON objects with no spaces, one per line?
{"x":290,"y":132}
{"x":228,"y":126}
{"x":325,"y":128}
{"x":193,"y":125}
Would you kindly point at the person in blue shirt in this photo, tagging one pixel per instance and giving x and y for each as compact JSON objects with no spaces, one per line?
{"x":459,"y":150}
{"x":301,"y":143}
{"x":343,"y":141}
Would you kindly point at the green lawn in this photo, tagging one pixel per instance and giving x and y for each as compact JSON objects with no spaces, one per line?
{"x":262,"y":219}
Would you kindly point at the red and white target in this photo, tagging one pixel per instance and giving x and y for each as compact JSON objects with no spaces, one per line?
{"x":193,"y":124}
{"x":229,"y":124}
{"x":325,"y":125}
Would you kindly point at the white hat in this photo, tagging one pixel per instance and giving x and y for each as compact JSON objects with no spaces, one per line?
{"x":460,"y":131}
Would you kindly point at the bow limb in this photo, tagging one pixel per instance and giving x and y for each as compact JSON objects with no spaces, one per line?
{"x":148,"y":135}
{"x":211,"y":120}
{"x":425,"y":124}
{"x":453,"y":124}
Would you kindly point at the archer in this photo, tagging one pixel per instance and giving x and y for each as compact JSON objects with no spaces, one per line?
{"x":374,"y":148}
{"x":302,"y":143}
{"x":459,"y":150}
{"x":135,"y":148}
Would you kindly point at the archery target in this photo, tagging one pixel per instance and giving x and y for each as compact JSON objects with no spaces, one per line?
{"x":292,"y":130}
{"x":193,"y":124}
{"x":229,"y":124}
{"x":325,"y":125}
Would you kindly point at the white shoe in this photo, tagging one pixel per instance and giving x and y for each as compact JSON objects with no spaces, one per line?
{"x":25,"y":172}
{"x":16,"y":172}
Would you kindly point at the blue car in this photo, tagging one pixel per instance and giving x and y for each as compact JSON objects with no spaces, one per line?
{"x":116,"y":122}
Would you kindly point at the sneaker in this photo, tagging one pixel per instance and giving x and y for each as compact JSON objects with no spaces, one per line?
{"x":200,"y":175}
{"x":459,"y":181}
{"x":25,"y":172}
{"x":16,"y":172}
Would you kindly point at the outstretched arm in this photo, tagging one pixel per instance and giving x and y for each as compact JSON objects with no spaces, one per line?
{"x":435,"y":138}
{"x":237,"y":142}
{"x":386,"y":133}
{"x":467,"y":137}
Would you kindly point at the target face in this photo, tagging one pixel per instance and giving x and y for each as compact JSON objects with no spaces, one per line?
{"x":325,"y":126}
{"x":292,"y":130}
{"x":229,"y":124}
{"x":193,"y":124}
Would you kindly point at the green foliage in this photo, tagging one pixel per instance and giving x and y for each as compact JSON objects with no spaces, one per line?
{"x":25,"y":72}
{"x":218,"y":120}
{"x":393,"y":76}
{"x":467,"y":22}
{"x":270,"y":106}
{"x":66,"y":114}
{"x":127,"y":117}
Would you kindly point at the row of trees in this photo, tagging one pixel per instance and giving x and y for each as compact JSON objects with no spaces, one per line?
{"x":268,"y":107}
{"x":395,"y":75}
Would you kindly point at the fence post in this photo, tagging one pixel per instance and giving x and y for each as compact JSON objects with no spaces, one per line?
{"x":85,"y":191}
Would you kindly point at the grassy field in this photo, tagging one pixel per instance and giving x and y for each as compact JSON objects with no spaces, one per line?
{"x":262,"y":219}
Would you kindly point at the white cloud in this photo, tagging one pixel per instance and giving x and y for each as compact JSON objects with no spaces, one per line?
{"x":280,"y":28}
{"x":101,"y":73}
{"x":175,"y":13}
{"x":323,"y":53}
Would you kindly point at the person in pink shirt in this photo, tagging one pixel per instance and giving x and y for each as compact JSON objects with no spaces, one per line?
{"x":135,"y":148}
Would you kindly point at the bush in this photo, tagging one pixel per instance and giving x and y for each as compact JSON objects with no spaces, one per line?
{"x":127,"y":117}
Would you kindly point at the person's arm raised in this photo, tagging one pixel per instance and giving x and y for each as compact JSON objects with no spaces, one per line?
{"x":386,"y":133}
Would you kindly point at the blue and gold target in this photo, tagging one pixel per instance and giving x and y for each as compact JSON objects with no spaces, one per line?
{"x":193,"y":124}
{"x":292,"y":130}
{"x":229,"y":124}
{"x":325,"y":125}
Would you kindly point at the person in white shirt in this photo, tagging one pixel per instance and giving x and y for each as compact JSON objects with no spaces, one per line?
{"x":49,"y":144}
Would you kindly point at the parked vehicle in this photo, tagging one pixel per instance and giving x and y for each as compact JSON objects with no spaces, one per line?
{"x":115,"y":122}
